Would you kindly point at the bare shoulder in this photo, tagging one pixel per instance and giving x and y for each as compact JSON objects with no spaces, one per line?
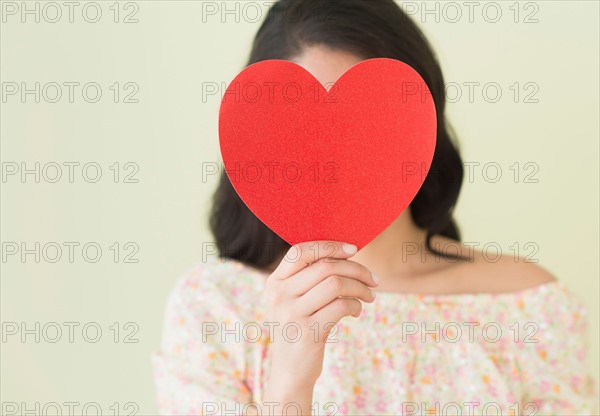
{"x":493,"y":272}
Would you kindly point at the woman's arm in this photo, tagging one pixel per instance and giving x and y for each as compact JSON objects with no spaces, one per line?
{"x":313,"y":286}
{"x":196,"y":373}
{"x":554,"y":368}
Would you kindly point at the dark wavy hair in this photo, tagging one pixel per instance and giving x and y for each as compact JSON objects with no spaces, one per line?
{"x":368,"y":29}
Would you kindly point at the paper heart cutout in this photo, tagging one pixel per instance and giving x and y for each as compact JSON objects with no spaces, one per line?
{"x":339,"y":165}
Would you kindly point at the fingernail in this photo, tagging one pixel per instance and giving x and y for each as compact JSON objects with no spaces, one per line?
{"x":349,"y":248}
{"x":376,"y":278}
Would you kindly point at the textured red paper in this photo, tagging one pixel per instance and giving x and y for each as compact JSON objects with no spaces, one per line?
{"x":338,"y":165}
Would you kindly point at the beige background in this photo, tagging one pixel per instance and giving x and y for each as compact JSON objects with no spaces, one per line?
{"x":169,"y":53}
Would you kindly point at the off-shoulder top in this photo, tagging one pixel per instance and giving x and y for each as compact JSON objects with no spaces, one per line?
{"x":518,"y":353}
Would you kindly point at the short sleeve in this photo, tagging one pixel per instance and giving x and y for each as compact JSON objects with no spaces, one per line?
{"x":553,"y":361}
{"x":196,"y":373}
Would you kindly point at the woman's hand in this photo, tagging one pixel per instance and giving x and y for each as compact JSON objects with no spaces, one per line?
{"x":313,"y":287}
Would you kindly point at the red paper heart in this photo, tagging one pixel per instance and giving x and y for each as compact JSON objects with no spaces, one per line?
{"x":335,"y":165}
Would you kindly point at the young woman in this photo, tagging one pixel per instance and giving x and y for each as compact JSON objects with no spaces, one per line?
{"x":437,"y":328}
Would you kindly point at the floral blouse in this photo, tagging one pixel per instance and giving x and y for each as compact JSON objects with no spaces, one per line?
{"x":519,"y":353}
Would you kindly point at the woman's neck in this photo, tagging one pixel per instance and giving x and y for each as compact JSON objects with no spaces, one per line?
{"x":397,"y":251}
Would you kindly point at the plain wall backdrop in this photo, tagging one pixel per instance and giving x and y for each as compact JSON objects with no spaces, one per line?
{"x":523,"y":99}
